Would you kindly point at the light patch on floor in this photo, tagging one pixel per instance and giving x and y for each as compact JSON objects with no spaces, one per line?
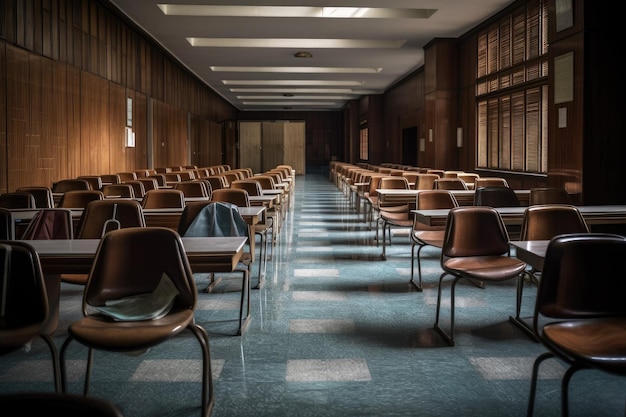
{"x":511,"y":368}
{"x":310,"y":233}
{"x":321,"y":326}
{"x":215,"y":303}
{"x":316,"y":370}
{"x":316,"y":272}
{"x":29,"y":371}
{"x":316,"y":248}
{"x":318,"y":296}
{"x":175,"y":370}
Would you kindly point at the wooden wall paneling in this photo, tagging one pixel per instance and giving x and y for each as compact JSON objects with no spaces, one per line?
{"x":95,"y":126}
{"x":71,"y":160}
{"x":59,"y":126}
{"x":18,"y":113}
{"x":250,"y":150}
{"x":3,"y":119}
{"x":62,"y":24}
{"x":40,"y":148}
{"x":228,"y":142}
{"x":294,"y":146}
{"x":195,"y":149}
{"x":140,"y":127}
{"x":121,"y":157}
{"x":215,"y":144}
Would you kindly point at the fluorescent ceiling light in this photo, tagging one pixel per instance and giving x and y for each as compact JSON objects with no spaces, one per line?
{"x":293,"y":90}
{"x":293,"y":43}
{"x":289,"y":103}
{"x":322,"y":70}
{"x":298,"y":97}
{"x":294,"y":11}
{"x":292,"y":82}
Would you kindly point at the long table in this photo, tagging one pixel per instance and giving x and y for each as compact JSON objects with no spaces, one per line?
{"x":464,"y":197}
{"x":593,"y":215}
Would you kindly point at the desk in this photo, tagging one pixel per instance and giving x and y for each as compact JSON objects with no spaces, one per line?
{"x":464,"y":197}
{"x":603,"y":214}
{"x":75,"y":256}
{"x":532,"y":252}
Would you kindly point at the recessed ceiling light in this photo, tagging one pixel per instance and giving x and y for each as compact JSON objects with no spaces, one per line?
{"x":346,"y":83}
{"x":294,"y":43}
{"x":303,"y":54}
{"x":303,"y":70}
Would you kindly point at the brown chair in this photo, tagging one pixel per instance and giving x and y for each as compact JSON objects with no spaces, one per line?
{"x":17,"y":200}
{"x":393,"y":214}
{"x":142,"y":173}
{"x":490,"y":182}
{"x":235,"y":196}
{"x":25,"y":312}
{"x":193,"y":188}
{"x":469,"y":178}
{"x":145,"y":259}
{"x":123,"y":190}
{"x":265,"y":228}
{"x":56,"y":404}
{"x":449,"y":184}
{"x":219,"y":219}
{"x":425,"y":181}
{"x":43,"y":196}
{"x":94,"y":180}
{"x":438,"y":172}
{"x":149,"y":183}
{"x":7,"y":225}
{"x":580,"y":313}
{"x":64,"y":186}
{"x":267,"y":183}
{"x":172,"y":178}
{"x":110,"y":179}
{"x":543,"y":222}
{"x":549,"y":195}
{"x":163,"y":198}
{"x":217,"y":181}
{"x":50,"y":223}
{"x":138,"y":188}
{"x":79,"y":198}
{"x":424,"y":235}
{"x":127,"y":176}
{"x":475,"y":248}
{"x":160,"y":179}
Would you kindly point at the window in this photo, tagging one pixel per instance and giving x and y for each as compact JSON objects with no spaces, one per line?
{"x":363,"y":144}
{"x":512,"y":91}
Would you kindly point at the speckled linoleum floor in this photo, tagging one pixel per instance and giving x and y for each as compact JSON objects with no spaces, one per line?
{"x":335,"y":331}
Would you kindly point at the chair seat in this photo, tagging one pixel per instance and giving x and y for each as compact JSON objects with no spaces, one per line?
{"x":486,"y":268}
{"x":593,"y":341}
{"x":398,"y":218}
{"x":430,"y":237}
{"x":105,"y":333}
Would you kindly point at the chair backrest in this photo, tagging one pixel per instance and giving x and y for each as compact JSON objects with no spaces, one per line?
{"x":66,"y":185}
{"x":110,"y":179}
{"x":163,"y":198}
{"x":438,"y":172}
{"x":43,"y":196}
{"x":425,"y":181}
{"x":50,"y":223}
{"x":490,"y":182}
{"x":433,"y":200}
{"x":94,"y":180}
{"x":543,"y":222}
{"x":468,"y":177}
{"x":17,"y":200}
{"x":253,"y":187}
{"x":7,"y":225}
{"x":142,"y":257}
{"x":582,"y":277}
{"x":100,"y":217}
{"x":496,"y":197}
{"x":138,"y":188}
{"x":549,"y":195}
{"x":267,"y":182}
{"x":236,"y":196}
{"x":79,"y":198}
{"x":215,"y":219}
{"x":149,"y":183}
{"x":474,"y":231}
{"x":449,"y":183}
{"x":24,"y":309}
{"x":142,"y":173}
{"x":395,"y":182}
{"x":160,"y":178}
{"x":193,"y":188}
{"x":123,"y":190}
{"x":127,"y":176}
{"x":217,"y":181}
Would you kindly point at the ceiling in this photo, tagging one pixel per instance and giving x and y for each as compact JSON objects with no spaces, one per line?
{"x":246,"y":50}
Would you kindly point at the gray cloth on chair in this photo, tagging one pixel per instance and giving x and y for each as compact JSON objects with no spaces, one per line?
{"x":217,"y":220}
